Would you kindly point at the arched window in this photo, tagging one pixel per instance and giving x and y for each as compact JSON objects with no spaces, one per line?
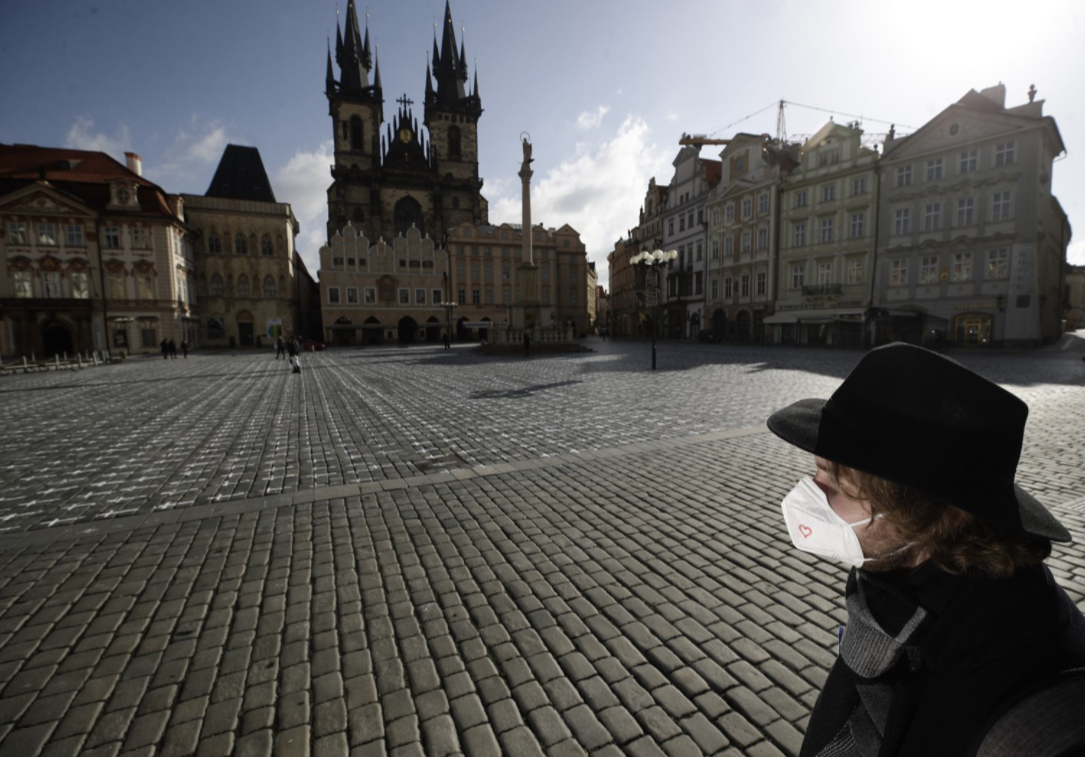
{"x":214,"y":244}
{"x":356,"y":133}
{"x":241,"y":247}
{"x":454,"y":141}
{"x":216,"y":285}
{"x":269,"y":286}
{"x":265,"y":246}
{"x":359,"y":215}
{"x":408,"y":213}
{"x":242,"y":286}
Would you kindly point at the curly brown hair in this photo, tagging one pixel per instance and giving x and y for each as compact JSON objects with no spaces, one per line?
{"x":954,"y":540}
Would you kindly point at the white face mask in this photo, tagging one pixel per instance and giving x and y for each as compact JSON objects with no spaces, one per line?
{"x":816,"y":528}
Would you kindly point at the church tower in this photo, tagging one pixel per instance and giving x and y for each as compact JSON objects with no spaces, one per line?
{"x":451,"y":115}
{"x":356,"y":108}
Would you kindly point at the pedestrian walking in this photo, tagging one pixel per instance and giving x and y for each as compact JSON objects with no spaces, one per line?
{"x":185,"y":347}
{"x":952,"y":617}
{"x":280,"y":348}
{"x":527,"y":343}
{"x":165,"y":349}
{"x":173,"y":349}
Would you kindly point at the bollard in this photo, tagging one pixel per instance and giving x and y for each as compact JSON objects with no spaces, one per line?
{"x":79,"y":360}
{"x":56,"y":362}
{"x":65,"y":356}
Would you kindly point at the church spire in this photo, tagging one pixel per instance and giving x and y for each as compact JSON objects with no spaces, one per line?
{"x":338,"y":41}
{"x":475,"y":88}
{"x":367,"y":55}
{"x":448,"y":68}
{"x":463,"y":57}
{"x":377,"y":75}
{"x":429,"y":85}
{"x":329,"y":78}
{"x":355,"y":60}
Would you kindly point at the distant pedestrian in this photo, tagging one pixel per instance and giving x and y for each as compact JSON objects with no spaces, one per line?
{"x":173,"y":349}
{"x":185,"y":346}
{"x":280,"y":348}
{"x":527,"y":343}
{"x":448,"y":341}
{"x":165,"y":349}
{"x":295,"y":363}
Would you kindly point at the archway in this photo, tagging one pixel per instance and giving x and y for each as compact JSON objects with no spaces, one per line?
{"x":719,"y":323}
{"x":743,"y":321}
{"x":408,"y":330}
{"x":463,"y":333}
{"x":433,"y":329}
{"x":373,"y":330}
{"x":245,"y":335}
{"x":484,"y":334}
{"x":56,"y":338}
{"x":408,"y":213}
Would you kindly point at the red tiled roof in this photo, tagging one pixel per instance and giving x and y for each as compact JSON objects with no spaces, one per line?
{"x":63,"y":164}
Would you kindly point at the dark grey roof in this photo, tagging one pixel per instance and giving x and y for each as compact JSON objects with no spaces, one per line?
{"x":241,"y":176}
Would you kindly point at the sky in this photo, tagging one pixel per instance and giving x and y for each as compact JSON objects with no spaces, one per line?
{"x":605,"y":88}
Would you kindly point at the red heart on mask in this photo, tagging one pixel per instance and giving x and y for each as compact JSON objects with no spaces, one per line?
{"x":805,"y":531}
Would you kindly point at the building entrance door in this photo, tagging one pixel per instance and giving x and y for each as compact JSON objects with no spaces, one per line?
{"x":973,"y":329}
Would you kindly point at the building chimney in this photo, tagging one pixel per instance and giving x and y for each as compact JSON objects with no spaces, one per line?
{"x":135,"y":163}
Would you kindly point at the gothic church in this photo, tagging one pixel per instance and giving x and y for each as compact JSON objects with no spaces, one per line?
{"x":386,"y":183}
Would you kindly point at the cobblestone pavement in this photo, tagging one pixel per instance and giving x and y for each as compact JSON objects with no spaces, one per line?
{"x":413,"y":552}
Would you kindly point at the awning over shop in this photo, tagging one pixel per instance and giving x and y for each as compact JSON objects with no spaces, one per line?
{"x":816,"y":316}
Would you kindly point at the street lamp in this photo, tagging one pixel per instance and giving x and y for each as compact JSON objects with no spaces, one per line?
{"x":654,"y":260}
{"x":448,"y":322}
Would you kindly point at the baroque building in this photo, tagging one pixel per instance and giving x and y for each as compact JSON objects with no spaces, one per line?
{"x":828,"y":206}
{"x":251,"y":278}
{"x":383,"y":184}
{"x":95,"y":256}
{"x":971,"y":240}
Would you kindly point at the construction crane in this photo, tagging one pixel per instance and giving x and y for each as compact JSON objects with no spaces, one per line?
{"x":701,"y":139}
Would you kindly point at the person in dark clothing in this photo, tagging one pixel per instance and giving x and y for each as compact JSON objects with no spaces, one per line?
{"x":280,"y":348}
{"x":173,"y":349}
{"x":951,"y":614}
{"x":527,"y":343}
{"x":185,"y":347}
{"x":165,"y":349}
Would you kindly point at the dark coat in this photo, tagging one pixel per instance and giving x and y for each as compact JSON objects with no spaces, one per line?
{"x":988,"y":641}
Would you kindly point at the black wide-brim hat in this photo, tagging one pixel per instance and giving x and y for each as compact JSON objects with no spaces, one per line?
{"x":918,"y":418}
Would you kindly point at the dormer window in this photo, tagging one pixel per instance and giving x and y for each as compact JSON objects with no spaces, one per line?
{"x":123,"y":195}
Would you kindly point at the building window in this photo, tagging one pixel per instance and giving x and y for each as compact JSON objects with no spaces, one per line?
{"x":968,"y":161}
{"x":828,"y":193}
{"x":438,"y":296}
{"x":116,"y":286}
{"x":144,"y":286}
{"x":243,"y":286}
{"x":17,"y":232}
{"x":1000,"y":206}
{"x":715,"y":249}
{"x":455,"y":143}
{"x":898,"y":273}
{"x":216,"y":285}
{"x":488,"y":271}
{"x":506,"y":297}
{"x":825,"y":273}
{"x":715,"y":289}
{"x":24,"y":285}
{"x":715,"y":216}
{"x":572,"y":298}
{"x":573,"y":272}
{"x":728,"y":288}
{"x":545,"y":297}
{"x":269,"y":288}
{"x":461,"y":296}
{"x":356,"y":141}
{"x":827,"y":230}
{"x":333,"y":295}
{"x":47,"y":234}
{"x":266,"y":248}
{"x":857,"y":224}
{"x":855,"y":271}
{"x":762,"y":238}
{"x":902,"y":222}
{"x":352,"y":295}
{"x":700,"y":257}
{"x":729,"y":213}
{"x":797,"y":274}
{"x":932,"y":217}
{"x":858,"y":186}
{"x":998,"y":263}
{"x":763,"y":202}
{"x":928,"y":269}
{"x":50,"y":284}
{"x":962,"y":266}
{"x":670,"y":227}
{"x":728,"y":247}
{"x":419,"y":296}
{"x":80,"y":285}
{"x":689,"y":219}
{"x":241,"y":246}
{"x":800,"y":199}
{"x":965,"y":211}
{"x":800,"y":234}
{"x":214,"y":244}
{"x":745,"y":285}
{"x":934,"y":169}
{"x":747,"y":207}
{"x":476,"y":296}
{"x":75,"y":235}
{"x":404,"y":296}
{"x":762,"y":283}
{"x":1004,"y":153}
{"x":745,"y":241}
{"x":904,"y":176}
{"x":681,"y":223}
{"x":111,"y":237}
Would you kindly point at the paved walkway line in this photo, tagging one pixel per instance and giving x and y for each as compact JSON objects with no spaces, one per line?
{"x":188,"y":513}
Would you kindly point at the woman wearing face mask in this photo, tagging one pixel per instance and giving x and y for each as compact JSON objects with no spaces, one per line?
{"x":958,"y":638}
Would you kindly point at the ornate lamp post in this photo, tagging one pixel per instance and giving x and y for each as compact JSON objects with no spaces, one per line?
{"x":655,"y":261}
{"x":448,"y":322}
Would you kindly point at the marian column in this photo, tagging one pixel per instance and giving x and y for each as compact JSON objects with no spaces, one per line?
{"x":529,"y":315}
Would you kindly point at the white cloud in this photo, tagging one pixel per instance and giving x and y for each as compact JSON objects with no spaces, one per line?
{"x":303,"y":182}
{"x":81,"y":136}
{"x":671,"y":116}
{"x":1075,"y":253}
{"x":598,"y":191}
{"x":590,"y":120}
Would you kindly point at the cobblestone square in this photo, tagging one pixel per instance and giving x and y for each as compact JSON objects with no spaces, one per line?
{"x":428,"y":552}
